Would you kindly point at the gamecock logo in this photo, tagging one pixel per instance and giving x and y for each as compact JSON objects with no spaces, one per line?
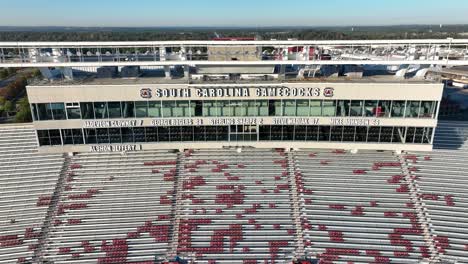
{"x":328,"y":92}
{"x":145,"y":93}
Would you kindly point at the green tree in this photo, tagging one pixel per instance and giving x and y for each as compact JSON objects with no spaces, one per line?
{"x":24,"y":111}
{"x":8,"y":106}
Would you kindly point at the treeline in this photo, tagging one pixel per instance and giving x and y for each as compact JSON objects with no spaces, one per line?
{"x":279,"y":34}
{"x":14,"y":105}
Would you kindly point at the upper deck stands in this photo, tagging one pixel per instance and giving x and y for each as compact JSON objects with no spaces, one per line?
{"x":92,"y":79}
{"x":164,"y":53}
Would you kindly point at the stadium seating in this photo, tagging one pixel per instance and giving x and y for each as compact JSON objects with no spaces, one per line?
{"x":357,"y":208}
{"x":27,"y":182}
{"x":224,"y":206}
{"x":114,"y":208}
{"x":236,"y":207}
{"x":442,"y":179}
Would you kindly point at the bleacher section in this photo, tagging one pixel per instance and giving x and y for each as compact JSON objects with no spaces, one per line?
{"x":236,"y":207}
{"x":27,"y":181}
{"x":114,"y":209}
{"x":357,"y":207}
{"x":442,"y":178}
{"x":226,"y":206}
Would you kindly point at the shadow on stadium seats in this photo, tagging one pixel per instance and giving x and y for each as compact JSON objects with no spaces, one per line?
{"x":450,"y":136}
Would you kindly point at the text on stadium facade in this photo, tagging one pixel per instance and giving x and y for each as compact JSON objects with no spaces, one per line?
{"x":115,"y":148}
{"x":236,"y":92}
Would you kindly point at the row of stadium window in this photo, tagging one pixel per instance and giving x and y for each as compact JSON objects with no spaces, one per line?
{"x":238,"y":108}
{"x":409,"y":135}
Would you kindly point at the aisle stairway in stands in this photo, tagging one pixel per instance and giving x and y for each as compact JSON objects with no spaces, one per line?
{"x":44,"y":233}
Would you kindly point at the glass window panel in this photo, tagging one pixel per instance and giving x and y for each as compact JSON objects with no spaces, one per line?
{"x":289,"y":107}
{"x":398,"y":135}
{"x":356,"y":108}
{"x":58,"y":111}
{"x":127,"y":135}
{"x":100,"y":110}
{"x":312,"y":133}
{"x":240,"y":108}
{"x":198,"y":105}
{"x":324,"y":133}
{"x":263,"y":105}
{"x":300,"y":133}
{"x":192,"y":109}
{"x":115,"y":110}
{"x":264,"y":133}
{"x":175,"y":133}
{"x":316,"y":108}
{"x":386,"y":134}
{"x":114,"y":135}
{"x":34,"y":112}
{"x":288,"y":133}
{"x":427,"y":138}
{"x":151,"y":134}
{"x":225,"y":108}
{"x":67,"y":136}
{"x":276,"y":132}
{"x":348,"y":133}
{"x":87,"y":110}
{"x":336,"y":133}
{"x":102,"y":135}
{"x":43,"y":137}
{"x":167,"y":107}
{"x":427,"y":109}
{"x":329,"y":108}
{"x":277,"y":108}
{"x":412,"y":109}
{"x":141,"y":109}
{"x":55,"y":138}
{"x":370,"y":108}
{"x":128,"y":109}
{"x":139,"y":133}
{"x":418,"y":135}
{"x":361,"y":134}
{"x":342,"y":108}
{"x":410,"y":132}
{"x":77,"y":136}
{"x":398,"y":108}
{"x":182,"y":109}
{"x":163,"y":134}
{"x":211,"y":133}
{"x":187,"y":133}
{"x":253,"y":108}
{"x":45,"y":111}
{"x":90,"y":136}
{"x":303,"y":107}
{"x":154,"y":109}
{"x":222,"y":133}
{"x":74,"y":112}
{"x":271,"y":107}
{"x":383,"y":110}
{"x":373,"y":134}
{"x":199,"y":133}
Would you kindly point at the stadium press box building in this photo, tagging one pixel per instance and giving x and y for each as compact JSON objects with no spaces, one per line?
{"x":181,"y":95}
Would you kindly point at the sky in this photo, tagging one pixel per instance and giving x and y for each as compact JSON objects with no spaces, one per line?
{"x":219,"y":13}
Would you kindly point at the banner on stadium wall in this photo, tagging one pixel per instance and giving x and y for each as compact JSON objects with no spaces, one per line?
{"x":236,"y":92}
